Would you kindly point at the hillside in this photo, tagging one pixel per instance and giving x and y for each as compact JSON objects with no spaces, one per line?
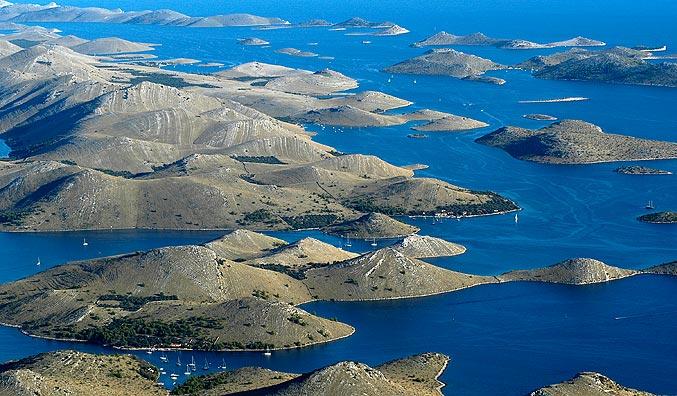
{"x":575,"y":142}
{"x":74,"y":373}
{"x":579,"y":271}
{"x":663,"y":269}
{"x":305,"y":253}
{"x":181,"y":296}
{"x":385,"y":274}
{"x":588,"y":384}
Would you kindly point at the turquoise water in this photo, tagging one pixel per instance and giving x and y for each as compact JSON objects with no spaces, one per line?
{"x":503,"y":339}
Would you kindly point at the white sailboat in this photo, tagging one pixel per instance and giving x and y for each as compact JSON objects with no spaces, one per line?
{"x":348,"y":244}
{"x":223,"y":364}
{"x":649,"y":205}
{"x":178,"y":361}
{"x":163,"y":357}
{"x":84,"y":242}
{"x":187,"y":372}
{"x":38,"y":263}
{"x":517,"y":219}
{"x":373,"y":242}
{"x":267,"y":352}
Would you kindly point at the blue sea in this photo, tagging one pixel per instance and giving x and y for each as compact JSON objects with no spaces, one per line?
{"x":503,"y":339}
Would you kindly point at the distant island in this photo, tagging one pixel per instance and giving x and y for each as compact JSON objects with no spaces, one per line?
{"x":640,"y":170}
{"x":579,"y":271}
{"x":53,"y":12}
{"x":540,"y":117}
{"x":617,"y":65}
{"x":575,"y":142}
{"x":667,"y":217}
{"x":445,"y":39}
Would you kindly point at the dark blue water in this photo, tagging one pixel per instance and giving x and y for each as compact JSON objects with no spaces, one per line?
{"x":503,"y":339}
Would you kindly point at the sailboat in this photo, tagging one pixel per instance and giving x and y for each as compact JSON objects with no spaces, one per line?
{"x":163,"y":357}
{"x":373,"y":243}
{"x":649,"y":205}
{"x":192,"y":363}
{"x":150,"y":351}
{"x":267,"y":352}
{"x":348,"y":244}
{"x":206,"y":366}
{"x":173,"y":376}
{"x":517,"y":219}
{"x":178,"y":361}
{"x":38,"y":263}
{"x":414,"y":81}
{"x":223,"y":364}
{"x":84,"y":242}
{"x":187,"y":372}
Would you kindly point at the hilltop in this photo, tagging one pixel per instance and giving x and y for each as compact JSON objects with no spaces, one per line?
{"x":418,"y":246}
{"x":575,"y":142}
{"x":414,"y":375}
{"x":385,"y":274}
{"x":663,"y":269}
{"x":640,"y":170}
{"x":588,"y":384}
{"x":77,"y":373}
{"x":372,"y":225}
{"x":579,"y":271}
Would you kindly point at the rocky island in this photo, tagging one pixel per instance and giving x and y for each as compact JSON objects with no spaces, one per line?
{"x":640,"y":170}
{"x":445,"y":62}
{"x":575,"y":142}
{"x":617,"y":65}
{"x":667,"y":217}
{"x":579,"y":271}
{"x":539,"y":117}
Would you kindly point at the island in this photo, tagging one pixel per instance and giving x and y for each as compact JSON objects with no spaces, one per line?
{"x":640,"y":170}
{"x":579,"y":271}
{"x":446,"y":39}
{"x":667,"y":217}
{"x":588,"y":384}
{"x":663,"y":269}
{"x":296,"y":52}
{"x":445,"y":62}
{"x":540,"y":117}
{"x":252,"y":41}
{"x":617,"y":65}
{"x":575,"y":142}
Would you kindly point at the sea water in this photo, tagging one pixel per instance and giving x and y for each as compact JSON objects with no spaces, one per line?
{"x":503,"y":339}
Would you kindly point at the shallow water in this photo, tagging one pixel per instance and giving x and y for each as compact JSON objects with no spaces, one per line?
{"x":503,"y":339}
